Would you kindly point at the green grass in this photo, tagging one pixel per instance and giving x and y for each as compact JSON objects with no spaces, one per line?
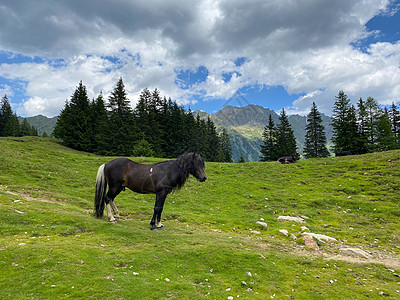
{"x":52,"y":247}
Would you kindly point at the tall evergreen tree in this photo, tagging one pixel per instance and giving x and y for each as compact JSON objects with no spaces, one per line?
{"x":213,"y":150}
{"x":315,"y":139}
{"x":285,"y":140}
{"x":372,"y":108}
{"x":101,"y":127}
{"x":9,"y":125}
{"x":394,"y":117}
{"x":385,"y":139}
{"x":268,"y":148}
{"x":225,"y":146}
{"x":74,"y":123}
{"x":363,"y":128}
{"x":121,"y":121}
{"x":344,"y":123}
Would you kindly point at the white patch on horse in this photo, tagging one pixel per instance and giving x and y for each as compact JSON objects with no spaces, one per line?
{"x":151,"y":170}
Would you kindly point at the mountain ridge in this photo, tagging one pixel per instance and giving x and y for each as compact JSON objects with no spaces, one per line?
{"x":245,"y":126}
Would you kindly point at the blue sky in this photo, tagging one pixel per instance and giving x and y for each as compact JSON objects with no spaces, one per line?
{"x":204,"y":54}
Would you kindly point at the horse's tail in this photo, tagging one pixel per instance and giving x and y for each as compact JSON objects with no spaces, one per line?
{"x":101,"y":186}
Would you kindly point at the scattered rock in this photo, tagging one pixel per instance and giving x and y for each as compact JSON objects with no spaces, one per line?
{"x":263,"y":224}
{"x":284,"y":232}
{"x":135,"y":273}
{"x":167,"y":280}
{"x":304,"y":228}
{"x":356,"y":252}
{"x":289,"y":218}
{"x":293,"y":237}
{"x":310,"y":243}
{"x":244,"y":283}
{"x":320,"y":237}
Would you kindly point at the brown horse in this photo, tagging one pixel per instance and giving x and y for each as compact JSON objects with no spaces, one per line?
{"x":160,"y":179}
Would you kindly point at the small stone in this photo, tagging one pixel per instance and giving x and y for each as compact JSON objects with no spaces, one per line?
{"x":21,"y":244}
{"x":284,"y":232}
{"x":304,"y":228}
{"x":289,"y":218}
{"x":135,"y":273}
{"x":244,"y":283}
{"x":309,"y":242}
{"x":230,"y":298}
{"x":263,"y":224}
{"x":167,"y":280}
{"x":249,"y":274}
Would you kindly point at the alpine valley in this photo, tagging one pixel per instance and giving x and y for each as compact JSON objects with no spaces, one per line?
{"x":245,"y":126}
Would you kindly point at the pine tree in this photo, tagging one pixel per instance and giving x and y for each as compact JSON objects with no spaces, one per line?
{"x":394,"y":117}
{"x":363,"y":128}
{"x":344,"y":123}
{"x":268,"y":148}
{"x":372,"y":108}
{"x":74,"y":123}
{"x":213,"y":142}
{"x":241,"y":159}
{"x":285,"y":140}
{"x":385,"y":139}
{"x":101,"y":127}
{"x":9,"y":125}
{"x":225,"y":146}
{"x":123,"y":129}
{"x":315,"y":139}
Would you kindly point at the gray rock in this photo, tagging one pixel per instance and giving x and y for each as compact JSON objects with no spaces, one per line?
{"x":320,"y":237}
{"x":284,"y":232}
{"x":289,"y":218}
{"x":263,"y":224}
{"x":356,"y":252}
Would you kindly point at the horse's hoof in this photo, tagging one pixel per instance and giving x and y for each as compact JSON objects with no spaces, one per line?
{"x":153,"y":228}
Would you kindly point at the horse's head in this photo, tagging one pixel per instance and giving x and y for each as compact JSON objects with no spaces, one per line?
{"x":195,"y":165}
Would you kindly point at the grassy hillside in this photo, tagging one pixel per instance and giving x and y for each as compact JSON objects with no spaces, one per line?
{"x":51,"y":246}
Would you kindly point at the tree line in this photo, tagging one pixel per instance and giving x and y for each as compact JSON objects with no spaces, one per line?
{"x":10,"y":125}
{"x":157,"y":126}
{"x":367,"y":128}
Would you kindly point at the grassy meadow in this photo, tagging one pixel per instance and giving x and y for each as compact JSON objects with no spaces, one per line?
{"x":51,"y":246}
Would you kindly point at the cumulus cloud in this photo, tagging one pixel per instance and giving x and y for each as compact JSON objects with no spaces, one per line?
{"x":304,"y":46}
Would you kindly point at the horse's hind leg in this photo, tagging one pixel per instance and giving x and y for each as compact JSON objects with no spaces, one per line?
{"x":113,"y":191}
{"x":115,"y":209}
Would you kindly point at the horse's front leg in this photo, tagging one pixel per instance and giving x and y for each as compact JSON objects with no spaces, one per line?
{"x":158,"y":208}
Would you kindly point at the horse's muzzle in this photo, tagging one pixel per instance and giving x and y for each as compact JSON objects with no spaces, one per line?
{"x":202,"y":179}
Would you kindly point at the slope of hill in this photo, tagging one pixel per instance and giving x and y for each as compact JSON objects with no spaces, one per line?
{"x":223,"y":238}
{"x":43,"y":124}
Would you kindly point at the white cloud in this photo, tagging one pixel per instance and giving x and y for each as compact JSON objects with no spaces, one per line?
{"x":303,"y":46}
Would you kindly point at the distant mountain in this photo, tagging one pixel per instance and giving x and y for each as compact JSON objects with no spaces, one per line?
{"x":43,"y":124}
{"x":246,"y":125}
